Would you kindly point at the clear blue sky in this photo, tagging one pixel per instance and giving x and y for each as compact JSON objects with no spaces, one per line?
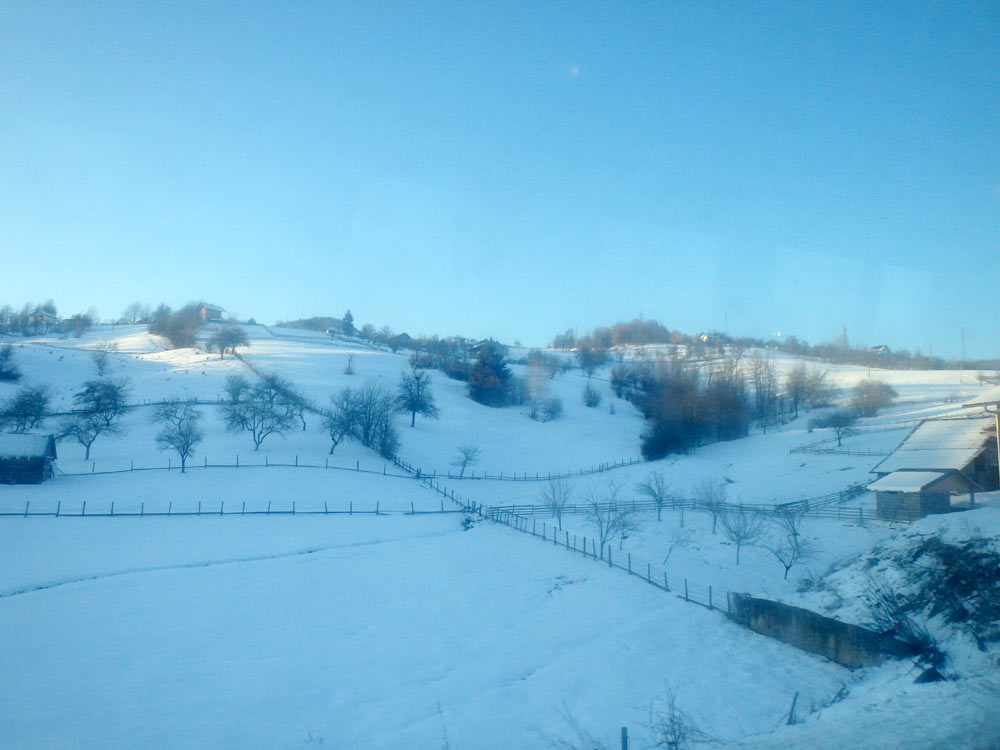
{"x":512,"y":169}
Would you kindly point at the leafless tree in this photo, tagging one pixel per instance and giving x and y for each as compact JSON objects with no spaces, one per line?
{"x":673,"y":728}
{"x":102,"y":356}
{"x":349,"y":367}
{"x":289,"y":395}
{"x":340,"y":421}
{"x":260,"y":409}
{"x":604,"y":512}
{"x":628,"y":523}
{"x":657,"y":489}
{"x":742,"y":527}
{"x":710,"y":497}
{"x":181,"y":432}
{"x":468,"y":455}
{"x":555,"y":496}
{"x":840,"y":421}
{"x":786,"y":542}
{"x":100,"y":407}
{"x":680,"y":539}
{"x":414,"y":396}
{"x":869,"y":396}
{"x":137,"y":312}
{"x":374,"y":425}
{"x":26,"y":410}
{"x":173,"y":411}
{"x":226,"y":339}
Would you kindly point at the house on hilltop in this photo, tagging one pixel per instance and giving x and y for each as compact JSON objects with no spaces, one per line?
{"x":211,"y":312}
{"x":26,"y":459}
{"x":938,"y":458}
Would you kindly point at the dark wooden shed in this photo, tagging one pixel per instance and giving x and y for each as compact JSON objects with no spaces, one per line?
{"x":26,"y":459}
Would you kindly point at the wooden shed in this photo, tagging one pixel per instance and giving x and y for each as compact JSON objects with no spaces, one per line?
{"x":908,"y":495}
{"x":211,"y":312}
{"x":26,"y":459}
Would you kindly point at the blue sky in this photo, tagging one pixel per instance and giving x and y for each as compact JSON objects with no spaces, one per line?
{"x":512,"y":169}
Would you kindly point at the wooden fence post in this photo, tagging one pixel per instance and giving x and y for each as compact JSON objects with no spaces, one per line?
{"x":58,"y":506}
{"x":666,"y":584}
{"x":685,"y":589}
{"x":222,"y":505}
{"x":112,"y":509}
{"x":630,"y":563}
{"x":710,"y":597}
{"x":243,"y":510}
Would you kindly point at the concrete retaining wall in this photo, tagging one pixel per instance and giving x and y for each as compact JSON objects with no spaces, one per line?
{"x":850,"y":645}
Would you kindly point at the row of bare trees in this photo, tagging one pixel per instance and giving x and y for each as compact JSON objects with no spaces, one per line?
{"x":611,"y":517}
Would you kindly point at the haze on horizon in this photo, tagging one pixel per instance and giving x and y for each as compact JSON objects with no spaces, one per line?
{"x":512,"y":171}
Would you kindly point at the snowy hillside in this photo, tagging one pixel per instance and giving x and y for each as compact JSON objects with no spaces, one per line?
{"x":425,"y":626}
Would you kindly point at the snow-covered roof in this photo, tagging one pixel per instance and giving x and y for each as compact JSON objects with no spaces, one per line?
{"x":992,"y":396}
{"x":939,"y":444}
{"x":906,"y":481}
{"x":25,"y":446}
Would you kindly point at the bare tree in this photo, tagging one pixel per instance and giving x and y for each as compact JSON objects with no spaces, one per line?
{"x":290,"y":396}
{"x":840,"y":421}
{"x":102,"y":356}
{"x":181,"y":432}
{"x":555,"y":496}
{"x":340,"y":421}
{"x":657,"y":489}
{"x":173,"y":411}
{"x":415,"y":397}
{"x":672,"y":728}
{"x":137,"y":312}
{"x":101,"y":405}
{"x":26,"y":410}
{"x":680,"y":539}
{"x":374,"y":426}
{"x":742,"y":527}
{"x":226,"y":339}
{"x":349,"y":367}
{"x":869,"y":396}
{"x":260,"y":409}
{"x":468,"y":455}
{"x":628,"y":523}
{"x":710,"y":497}
{"x":604,"y":512}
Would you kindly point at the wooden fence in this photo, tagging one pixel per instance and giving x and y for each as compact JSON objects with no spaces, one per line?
{"x":524,"y":476}
{"x":118,"y":509}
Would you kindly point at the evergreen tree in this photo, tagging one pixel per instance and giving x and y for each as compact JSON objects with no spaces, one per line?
{"x":348,"y":323}
{"x":489,"y":375}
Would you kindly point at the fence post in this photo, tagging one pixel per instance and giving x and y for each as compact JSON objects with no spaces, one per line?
{"x":112,"y":509}
{"x":58,"y":506}
{"x":609,"y":556}
{"x":357,"y":465}
{"x":376,"y":507}
{"x":630,"y":563}
{"x":649,"y":574}
{"x":131,"y":465}
{"x":199,"y":507}
{"x":293,"y":507}
{"x":666,"y":585}
{"x":411,"y":508}
{"x":170,"y":506}
{"x":265,"y":461}
{"x":142,"y":509}
{"x":326,"y":462}
{"x":296,"y":459}
{"x":93,"y":467}
{"x":685,"y":589}
{"x":28,"y":504}
{"x":237,"y":460}
{"x":222,"y":504}
{"x":268,"y":507}
{"x":861,"y":516}
{"x":243,"y":510}
{"x":710,"y":597}
{"x":624,"y":738}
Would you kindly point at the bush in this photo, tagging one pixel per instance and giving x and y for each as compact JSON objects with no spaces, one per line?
{"x":552,"y":408}
{"x":9,"y":371}
{"x":591,"y":396}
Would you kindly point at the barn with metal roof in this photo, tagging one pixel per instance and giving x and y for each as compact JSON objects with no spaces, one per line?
{"x":940,"y":457}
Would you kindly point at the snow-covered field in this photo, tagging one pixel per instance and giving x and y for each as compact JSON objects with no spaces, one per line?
{"x":404,"y":631}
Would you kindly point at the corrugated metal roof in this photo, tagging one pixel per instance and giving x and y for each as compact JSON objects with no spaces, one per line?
{"x":905,"y":481}
{"x":939,"y":444}
{"x":992,"y":396}
{"x":23,"y":446}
